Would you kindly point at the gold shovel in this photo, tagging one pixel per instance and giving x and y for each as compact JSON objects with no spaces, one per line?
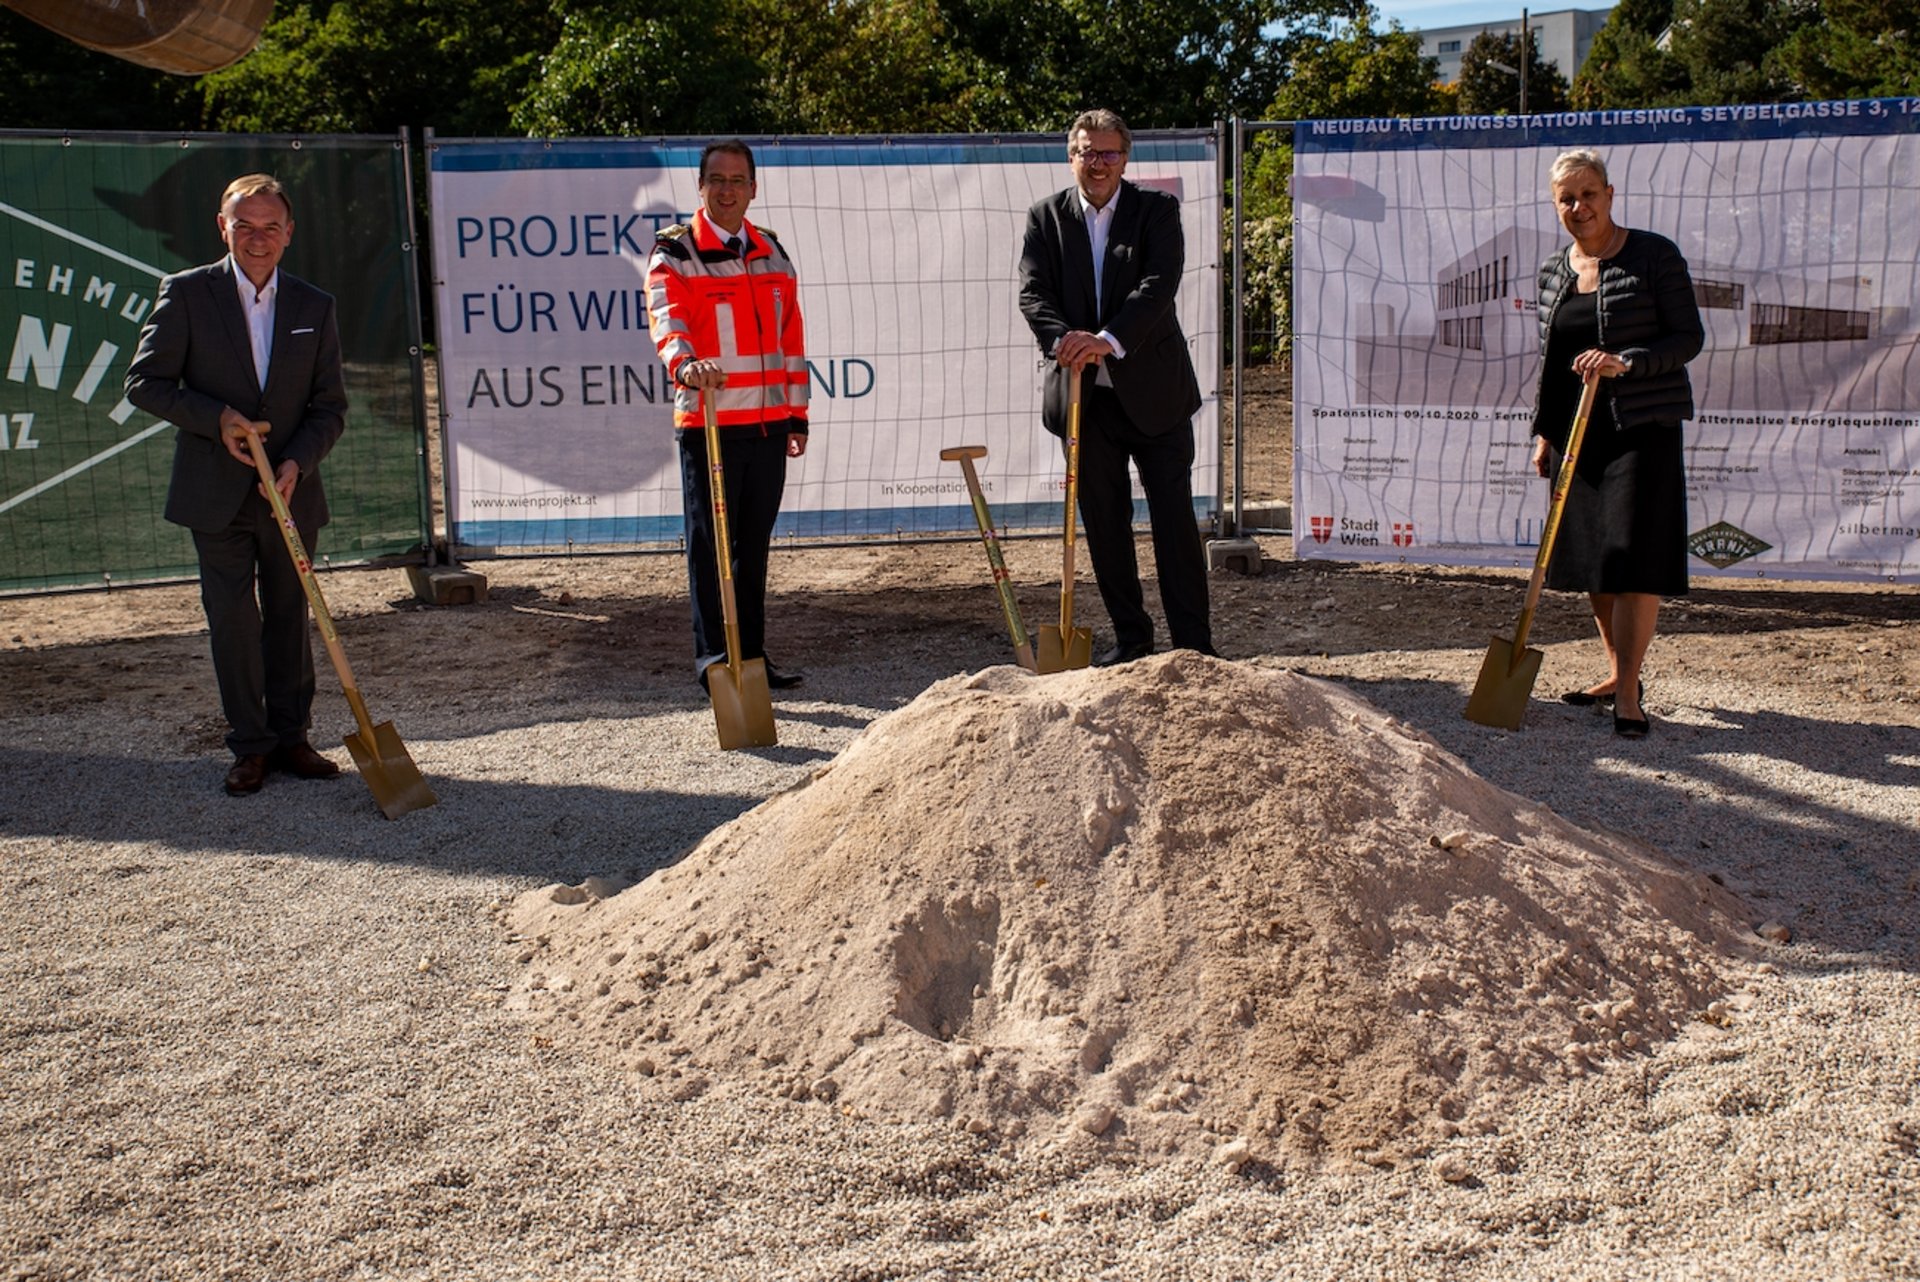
{"x":394,"y":780}
{"x":742,"y":700}
{"x":1016,"y":626}
{"x":1066,"y":646}
{"x":1508,"y":672}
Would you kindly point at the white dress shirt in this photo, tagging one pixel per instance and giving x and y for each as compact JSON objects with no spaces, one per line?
{"x":257,"y":307}
{"x":1099,"y":225}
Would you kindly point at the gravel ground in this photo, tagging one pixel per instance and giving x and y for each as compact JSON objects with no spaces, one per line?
{"x":264,"y":1038}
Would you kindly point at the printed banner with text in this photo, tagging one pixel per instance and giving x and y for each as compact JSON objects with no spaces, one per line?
{"x":1418,"y":245}
{"x":556,"y":410}
{"x":89,"y":224}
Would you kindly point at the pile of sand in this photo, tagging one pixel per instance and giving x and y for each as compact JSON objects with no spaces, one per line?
{"x":1179,"y":903}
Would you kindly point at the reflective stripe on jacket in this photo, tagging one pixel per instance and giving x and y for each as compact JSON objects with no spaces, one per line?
{"x":704,"y":301}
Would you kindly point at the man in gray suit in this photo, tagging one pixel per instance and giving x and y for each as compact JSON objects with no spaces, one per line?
{"x":1098,"y":272}
{"x":234,"y":345}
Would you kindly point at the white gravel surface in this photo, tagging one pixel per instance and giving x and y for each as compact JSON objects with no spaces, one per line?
{"x":263,"y":1038}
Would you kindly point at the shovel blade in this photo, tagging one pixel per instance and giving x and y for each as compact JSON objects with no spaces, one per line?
{"x":391,"y":776}
{"x":1499,"y":697}
{"x":1061,"y":652}
{"x":742,"y":705}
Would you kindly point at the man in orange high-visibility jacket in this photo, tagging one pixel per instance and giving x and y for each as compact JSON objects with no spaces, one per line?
{"x":724,"y":306}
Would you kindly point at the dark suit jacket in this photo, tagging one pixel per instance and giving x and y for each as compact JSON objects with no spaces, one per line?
{"x":195,"y":357}
{"x":1146,"y":251}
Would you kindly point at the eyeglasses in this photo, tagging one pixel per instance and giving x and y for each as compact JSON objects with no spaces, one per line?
{"x":1089,"y":155}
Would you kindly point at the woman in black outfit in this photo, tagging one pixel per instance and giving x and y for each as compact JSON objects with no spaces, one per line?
{"x":1618,"y":304}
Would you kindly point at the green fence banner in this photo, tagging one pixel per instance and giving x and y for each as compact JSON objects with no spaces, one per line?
{"x":89,"y":224}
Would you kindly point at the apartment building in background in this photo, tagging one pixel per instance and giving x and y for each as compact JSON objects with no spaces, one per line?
{"x":1562,"y":37}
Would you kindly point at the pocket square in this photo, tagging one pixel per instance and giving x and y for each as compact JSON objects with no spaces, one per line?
{"x":307,"y":329}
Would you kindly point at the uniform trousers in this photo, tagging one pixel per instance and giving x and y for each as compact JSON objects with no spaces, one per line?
{"x":754,"y":467}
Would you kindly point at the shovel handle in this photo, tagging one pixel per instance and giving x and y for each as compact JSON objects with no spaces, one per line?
{"x":1562,"y":483}
{"x":1073,"y":499}
{"x":303,"y":565}
{"x":723,"y":542}
{"x":1016,"y":626}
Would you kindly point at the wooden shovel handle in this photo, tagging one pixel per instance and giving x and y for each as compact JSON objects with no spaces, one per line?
{"x":1562,"y":483}
{"x":297,"y":549}
{"x":1002,"y":580}
{"x":723,"y":541}
{"x":1073,"y":500}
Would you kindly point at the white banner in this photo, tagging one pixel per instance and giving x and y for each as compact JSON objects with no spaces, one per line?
{"x":1418,"y":245}
{"x":557,"y":426}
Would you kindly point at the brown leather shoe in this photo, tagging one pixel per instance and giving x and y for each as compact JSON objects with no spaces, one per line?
{"x":301,"y":761}
{"x":247,"y":774}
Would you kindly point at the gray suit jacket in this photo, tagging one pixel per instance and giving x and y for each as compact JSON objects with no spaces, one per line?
{"x":1146,"y":251}
{"x":194,"y":358}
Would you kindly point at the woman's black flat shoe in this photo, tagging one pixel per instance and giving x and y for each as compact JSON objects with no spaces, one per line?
{"x":1582,"y":699}
{"x":1631,"y":727}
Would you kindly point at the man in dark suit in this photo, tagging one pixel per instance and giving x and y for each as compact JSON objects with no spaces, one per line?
{"x":1098,"y":273}
{"x":232,"y":346}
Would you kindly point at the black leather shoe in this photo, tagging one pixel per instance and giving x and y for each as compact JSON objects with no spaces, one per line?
{"x":1122,"y":654}
{"x":778,"y":680}
{"x":1631,"y":727}
{"x":301,"y":761}
{"x":247,"y":774}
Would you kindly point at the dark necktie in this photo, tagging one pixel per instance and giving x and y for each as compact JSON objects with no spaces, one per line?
{"x":733,"y":245}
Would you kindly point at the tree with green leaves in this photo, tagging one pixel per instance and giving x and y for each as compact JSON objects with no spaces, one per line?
{"x":48,"y":82}
{"x":1356,"y":71}
{"x":1626,"y":67}
{"x":623,"y":66}
{"x":1725,"y":46}
{"x":874,"y":66}
{"x":1339,"y":73}
{"x":1159,"y":63}
{"x":372,"y":66}
{"x":1859,"y":49}
{"x":635,"y":68}
{"x":1490,"y":71}
{"x":754,"y":66}
{"x":1728,"y":51}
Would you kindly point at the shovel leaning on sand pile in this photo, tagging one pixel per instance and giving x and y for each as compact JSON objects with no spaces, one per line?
{"x":1508,"y":672}
{"x":394,"y":780}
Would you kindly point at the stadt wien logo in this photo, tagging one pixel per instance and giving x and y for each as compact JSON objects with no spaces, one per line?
{"x":1321,"y":527}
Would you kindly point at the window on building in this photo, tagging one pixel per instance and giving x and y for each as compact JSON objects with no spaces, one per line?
{"x":1779,"y":323}
{"x":1463,"y":331}
{"x":1730,"y":295}
{"x":1448,"y":46}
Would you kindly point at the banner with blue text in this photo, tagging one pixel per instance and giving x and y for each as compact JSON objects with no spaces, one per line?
{"x":1418,"y":245}
{"x":556,"y":410}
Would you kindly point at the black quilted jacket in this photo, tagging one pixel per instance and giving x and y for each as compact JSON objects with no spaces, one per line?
{"x":1647,"y":315}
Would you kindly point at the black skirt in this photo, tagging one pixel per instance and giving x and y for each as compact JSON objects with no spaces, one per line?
{"x":1625,"y":526}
